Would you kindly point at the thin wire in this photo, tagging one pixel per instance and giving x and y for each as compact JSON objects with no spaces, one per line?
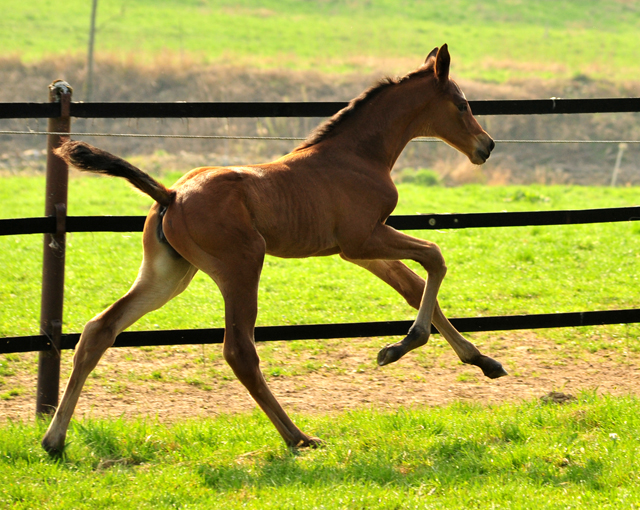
{"x":143,"y":135}
{"x":567,"y":141}
{"x":277,"y":138}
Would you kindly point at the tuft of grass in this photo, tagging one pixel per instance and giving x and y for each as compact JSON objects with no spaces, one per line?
{"x":12,"y":393}
{"x":157,"y":375}
{"x":5,"y":369}
{"x":198,"y":383}
{"x":466,"y":377}
{"x":116,"y":388}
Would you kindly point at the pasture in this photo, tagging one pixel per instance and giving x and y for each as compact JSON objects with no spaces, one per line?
{"x":508,"y":454}
{"x":545,"y":40}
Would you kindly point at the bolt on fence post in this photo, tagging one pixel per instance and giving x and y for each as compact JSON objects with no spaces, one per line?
{"x":53,"y":259}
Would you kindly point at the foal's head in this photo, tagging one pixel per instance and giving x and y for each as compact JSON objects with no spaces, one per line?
{"x":448,"y":116}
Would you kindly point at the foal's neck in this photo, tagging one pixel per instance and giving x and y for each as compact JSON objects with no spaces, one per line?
{"x":380,"y":130}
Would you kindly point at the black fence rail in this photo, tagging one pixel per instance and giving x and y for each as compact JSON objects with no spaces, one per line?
{"x":48,"y":225}
{"x":142,"y":110}
{"x":328,"y":331}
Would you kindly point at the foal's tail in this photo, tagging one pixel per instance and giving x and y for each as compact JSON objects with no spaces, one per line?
{"x":86,"y":157}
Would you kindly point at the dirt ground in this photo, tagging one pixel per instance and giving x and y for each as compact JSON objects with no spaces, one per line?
{"x":175,"y":383}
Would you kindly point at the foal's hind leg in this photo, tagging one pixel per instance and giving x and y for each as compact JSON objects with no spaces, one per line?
{"x":163,"y":275}
{"x":233,"y":259}
{"x":241,"y":296}
{"x":411,"y":286}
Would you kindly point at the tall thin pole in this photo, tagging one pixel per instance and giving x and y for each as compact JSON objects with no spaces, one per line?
{"x":92,"y":38}
{"x":616,"y":168}
{"x":53,"y":255}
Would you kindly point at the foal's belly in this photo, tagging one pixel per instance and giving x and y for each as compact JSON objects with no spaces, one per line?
{"x":299,"y":242}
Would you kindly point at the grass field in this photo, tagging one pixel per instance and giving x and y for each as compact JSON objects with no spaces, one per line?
{"x":579,"y":455}
{"x":491,"y":271}
{"x":495,"y":40}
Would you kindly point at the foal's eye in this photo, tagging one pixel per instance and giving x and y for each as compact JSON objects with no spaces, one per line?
{"x":463,"y":107}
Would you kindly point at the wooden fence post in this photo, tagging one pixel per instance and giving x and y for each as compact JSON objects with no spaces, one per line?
{"x":54,"y":255}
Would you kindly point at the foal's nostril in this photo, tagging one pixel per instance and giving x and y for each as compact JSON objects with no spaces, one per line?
{"x":492,"y":145}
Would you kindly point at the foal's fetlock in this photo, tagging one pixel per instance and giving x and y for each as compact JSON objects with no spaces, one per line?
{"x":417,"y":337}
{"x":490,"y":367}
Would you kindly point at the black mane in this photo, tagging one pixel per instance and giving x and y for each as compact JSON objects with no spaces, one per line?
{"x":326,"y":129}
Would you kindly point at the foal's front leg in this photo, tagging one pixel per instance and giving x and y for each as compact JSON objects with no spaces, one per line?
{"x":391,"y":246}
{"x":387,"y":243}
{"x":239,"y":351}
{"x":410,"y":286}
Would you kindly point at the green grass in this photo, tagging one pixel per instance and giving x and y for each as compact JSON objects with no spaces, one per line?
{"x":531,"y":455}
{"x":579,"y":455}
{"x":491,"y":271}
{"x":489,"y":40}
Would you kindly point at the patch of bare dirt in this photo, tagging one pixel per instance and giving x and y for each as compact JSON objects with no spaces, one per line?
{"x":173,"y":383}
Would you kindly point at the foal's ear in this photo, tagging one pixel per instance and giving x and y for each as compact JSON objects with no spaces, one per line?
{"x":443,"y":61}
{"x":431,"y":55}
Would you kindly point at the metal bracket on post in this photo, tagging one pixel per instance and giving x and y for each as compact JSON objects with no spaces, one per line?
{"x":61,"y":225}
{"x":54,"y":254}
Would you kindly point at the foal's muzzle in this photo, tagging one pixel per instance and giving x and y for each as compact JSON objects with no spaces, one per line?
{"x":481,"y":154}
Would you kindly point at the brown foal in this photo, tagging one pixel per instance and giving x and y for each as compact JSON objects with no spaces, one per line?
{"x":330,"y":196}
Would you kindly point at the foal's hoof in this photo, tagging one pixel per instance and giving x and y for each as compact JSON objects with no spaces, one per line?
{"x":52,"y":449}
{"x":490,"y":367}
{"x":309,"y":442}
{"x":416,"y":337}
{"x":389,"y":354}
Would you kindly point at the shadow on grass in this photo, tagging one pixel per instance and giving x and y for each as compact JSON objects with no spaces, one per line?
{"x":451,"y":463}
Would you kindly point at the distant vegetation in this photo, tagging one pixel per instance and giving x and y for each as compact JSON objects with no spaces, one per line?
{"x":323,"y":50}
{"x":493,"y":40}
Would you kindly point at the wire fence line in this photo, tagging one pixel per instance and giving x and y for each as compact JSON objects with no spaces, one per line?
{"x":276,"y":138}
